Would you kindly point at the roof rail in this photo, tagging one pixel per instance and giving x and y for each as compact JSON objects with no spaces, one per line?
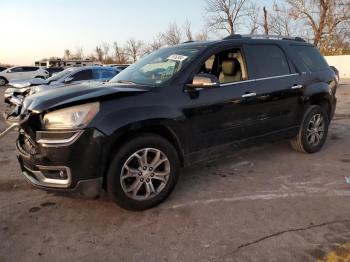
{"x":189,"y":41}
{"x":276,"y":37}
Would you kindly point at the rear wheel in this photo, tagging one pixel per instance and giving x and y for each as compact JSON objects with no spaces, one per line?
{"x":143,"y":172}
{"x":313,"y":131}
{"x":3,"y":81}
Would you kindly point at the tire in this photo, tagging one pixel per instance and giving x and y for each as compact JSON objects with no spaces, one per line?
{"x":311,"y":138}
{"x":3,"y":81}
{"x":140,"y":175}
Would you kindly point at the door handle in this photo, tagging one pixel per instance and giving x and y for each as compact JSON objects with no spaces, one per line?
{"x":297,"y":87}
{"x":249,"y":95}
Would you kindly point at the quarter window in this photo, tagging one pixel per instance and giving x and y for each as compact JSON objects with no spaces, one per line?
{"x":311,"y":57}
{"x":266,"y":61}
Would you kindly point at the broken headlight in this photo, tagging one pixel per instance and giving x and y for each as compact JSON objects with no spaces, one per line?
{"x":72,"y":117}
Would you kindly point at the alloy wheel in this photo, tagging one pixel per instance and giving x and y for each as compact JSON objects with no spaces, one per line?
{"x":145,"y":174}
{"x":315,"y":130}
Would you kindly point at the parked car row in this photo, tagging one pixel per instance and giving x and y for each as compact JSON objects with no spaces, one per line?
{"x":20,"y":89}
{"x":177,"y":106}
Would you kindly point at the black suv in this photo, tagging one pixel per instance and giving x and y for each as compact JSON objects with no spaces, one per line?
{"x":177,"y":106}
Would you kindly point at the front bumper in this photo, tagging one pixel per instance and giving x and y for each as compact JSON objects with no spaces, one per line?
{"x":63,"y":161}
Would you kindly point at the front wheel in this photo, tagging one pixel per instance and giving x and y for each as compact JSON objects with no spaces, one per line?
{"x":313,"y":131}
{"x":143,"y":172}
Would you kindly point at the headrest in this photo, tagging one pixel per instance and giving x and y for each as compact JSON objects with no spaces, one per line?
{"x":230,"y":66}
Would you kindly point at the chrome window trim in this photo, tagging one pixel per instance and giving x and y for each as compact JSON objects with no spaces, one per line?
{"x":258,"y":79}
{"x":60,"y":142}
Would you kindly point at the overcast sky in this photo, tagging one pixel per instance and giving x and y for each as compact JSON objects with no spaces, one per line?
{"x":31,"y":30}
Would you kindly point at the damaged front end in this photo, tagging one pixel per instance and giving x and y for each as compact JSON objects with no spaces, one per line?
{"x":14,"y":98}
{"x":52,"y":159}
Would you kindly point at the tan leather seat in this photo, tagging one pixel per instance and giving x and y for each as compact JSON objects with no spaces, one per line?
{"x":231,"y":71}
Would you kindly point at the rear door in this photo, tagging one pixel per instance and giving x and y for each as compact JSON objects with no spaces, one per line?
{"x":30,"y":71}
{"x":277,"y":89}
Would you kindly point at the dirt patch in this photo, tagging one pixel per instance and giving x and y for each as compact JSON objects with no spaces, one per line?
{"x":13,"y":185}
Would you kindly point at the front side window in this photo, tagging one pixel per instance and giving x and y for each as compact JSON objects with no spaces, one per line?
{"x":82,"y":75}
{"x":17,"y":70}
{"x":266,"y":61}
{"x":158,"y":67}
{"x":60,"y":75}
{"x":228,"y":66}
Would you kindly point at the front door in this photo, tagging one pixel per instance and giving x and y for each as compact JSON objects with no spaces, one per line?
{"x":218,"y":116}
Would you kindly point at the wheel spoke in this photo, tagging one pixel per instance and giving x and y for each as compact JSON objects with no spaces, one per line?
{"x":156,"y":158}
{"x":161,"y":161}
{"x":161,"y":176}
{"x":131,"y":172}
{"x":139,"y":160}
{"x":149,"y":190}
{"x":135,"y":187}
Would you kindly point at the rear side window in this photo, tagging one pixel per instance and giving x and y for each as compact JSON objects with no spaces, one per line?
{"x":30,"y":68}
{"x":266,"y":61}
{"x":83,"y":75}
{"x":310,"y":57}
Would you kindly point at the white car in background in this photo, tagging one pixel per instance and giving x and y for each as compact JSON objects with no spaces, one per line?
{"x":22,"y":73}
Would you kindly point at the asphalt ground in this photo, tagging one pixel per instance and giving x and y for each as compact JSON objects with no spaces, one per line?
{"x":265,"y":203}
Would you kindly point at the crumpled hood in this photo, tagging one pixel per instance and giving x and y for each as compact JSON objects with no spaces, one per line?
{"x":28,"y":82}
{"x":76,"y":94}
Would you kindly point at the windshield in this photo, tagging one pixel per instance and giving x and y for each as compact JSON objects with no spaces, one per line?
{"x":61,"y":74}
{"x":158,"y":67}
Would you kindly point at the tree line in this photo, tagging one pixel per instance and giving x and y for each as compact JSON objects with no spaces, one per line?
{"x":325,"y":23}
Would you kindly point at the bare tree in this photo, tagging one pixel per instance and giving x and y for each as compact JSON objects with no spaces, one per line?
{"x":134,"y":49}
{"x":280,"y":23}
{"x":322,"y":16}
{"x":202,"y":36}
{"x":188,"y":31}
{"x":265,"y":22}
{"x":173,"y":35}
{"x":120,"y":54}
{"x":99,"y":53}
{"x":253,"y":15}
{"x":79,"y":52}
{"x":67,"y":54}
{"x":105,"y":49}
{"x":225,"y":14}
{"x":155,"y":44}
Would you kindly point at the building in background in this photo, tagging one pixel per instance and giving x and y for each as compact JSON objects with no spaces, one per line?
{"x":49,"y":63}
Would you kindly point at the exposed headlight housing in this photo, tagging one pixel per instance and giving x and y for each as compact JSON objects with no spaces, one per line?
{"x":74,"y":117}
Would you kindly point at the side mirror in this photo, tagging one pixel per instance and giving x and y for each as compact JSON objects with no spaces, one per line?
{"x":68,"y":80}
{"x":202,"y":81}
